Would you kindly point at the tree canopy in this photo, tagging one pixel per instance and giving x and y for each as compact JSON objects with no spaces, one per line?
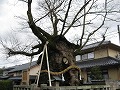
{"x":57,"y":18}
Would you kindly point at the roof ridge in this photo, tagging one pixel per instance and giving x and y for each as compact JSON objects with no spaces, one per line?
{"x":23,"y":66}
{"x":98,"y":42}
{"x":105,"y":61}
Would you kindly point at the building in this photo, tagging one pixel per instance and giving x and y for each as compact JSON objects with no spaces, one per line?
{"x":24,"y":74}
{"x":5,"y":74}
{"x":106,"y":57}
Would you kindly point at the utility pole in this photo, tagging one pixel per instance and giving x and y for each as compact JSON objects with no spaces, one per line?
{"x":118,"y":32}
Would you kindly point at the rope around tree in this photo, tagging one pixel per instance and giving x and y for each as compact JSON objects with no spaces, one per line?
{"x":62,"y":72}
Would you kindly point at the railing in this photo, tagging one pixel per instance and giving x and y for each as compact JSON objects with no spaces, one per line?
{"x":23,"y":87}
{"x":45,"y":87}
{"x":87,"y":87}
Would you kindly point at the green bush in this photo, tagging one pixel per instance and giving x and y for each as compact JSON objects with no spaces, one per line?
{"x":6,"y":85}
{"x":96,"y":73}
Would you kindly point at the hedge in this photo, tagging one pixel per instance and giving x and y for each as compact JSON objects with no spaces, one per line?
{"x":6,"y":85}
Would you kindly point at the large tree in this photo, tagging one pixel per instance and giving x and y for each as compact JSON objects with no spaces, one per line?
{"x":54,"y":20}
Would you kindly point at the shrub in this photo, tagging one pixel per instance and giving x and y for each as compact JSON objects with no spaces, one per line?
{"x":96,"y":73}
{"x":6,"y":85}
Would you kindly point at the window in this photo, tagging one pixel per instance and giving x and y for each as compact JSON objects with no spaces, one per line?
{"x":88,"y":76}
{"x":84,"y":56}
{"x":91,"y":55}
{"x":105,"y":74}
{"x":78,"y":57}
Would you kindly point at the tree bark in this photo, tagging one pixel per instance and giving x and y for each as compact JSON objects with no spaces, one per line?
{"x":61,"y":57}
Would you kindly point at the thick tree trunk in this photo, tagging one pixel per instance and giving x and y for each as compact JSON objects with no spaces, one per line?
{"x":61,"y":57}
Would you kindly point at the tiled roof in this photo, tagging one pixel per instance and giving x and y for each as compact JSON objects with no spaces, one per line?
{"x":98,"y":62}
{"x":23,"y":66}
{"x":16,"y":78}
{"x":4,"y":77}
{"x":10,"y":68}
{"x":93,"y":45}
{"x":20,"y":77}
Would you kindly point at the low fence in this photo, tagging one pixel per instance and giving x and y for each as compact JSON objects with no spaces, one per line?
{"x":115,"y":85}
{"x":25,"y":87}
{"x":87,"y":87}
{"x":21,"y":87}
{"x":45,"y":87}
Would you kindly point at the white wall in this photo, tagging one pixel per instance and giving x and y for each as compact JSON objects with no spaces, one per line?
{"x":34,"y":70}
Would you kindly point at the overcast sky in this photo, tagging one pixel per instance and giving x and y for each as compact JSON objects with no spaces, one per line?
{"x":11,"y":8}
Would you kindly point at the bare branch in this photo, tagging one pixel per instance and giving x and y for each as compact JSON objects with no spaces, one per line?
{"x":83,"y":31}
{"x":94,"y":31}
{"x":12,"y":52}
{"x":24,"y":1}
{"x":66,"y":15}
{"x":73,"y":21}
{"x":41,"y":17}
{"x":32,"y":24}
{"x":100,"y":42}
{"x":53,"y":15}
